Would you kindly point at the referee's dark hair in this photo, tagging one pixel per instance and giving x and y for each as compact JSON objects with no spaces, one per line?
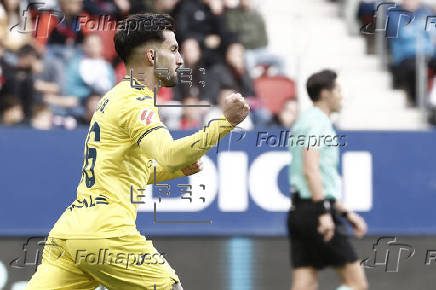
{"x":325,"y":79}
{"x":138,"y":29}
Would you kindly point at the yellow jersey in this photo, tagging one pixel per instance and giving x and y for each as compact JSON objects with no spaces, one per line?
{"x":125,"y":135}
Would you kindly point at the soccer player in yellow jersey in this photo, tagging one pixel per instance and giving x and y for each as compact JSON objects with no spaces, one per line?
{"x":95,"y":241}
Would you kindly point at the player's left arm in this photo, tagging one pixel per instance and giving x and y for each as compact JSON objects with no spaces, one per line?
{"x":357,"y":222}
{"x":142,"y":124}
{"x":163,"y":174}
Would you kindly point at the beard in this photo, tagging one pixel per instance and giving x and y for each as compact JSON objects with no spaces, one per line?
{"x":165,"y":81}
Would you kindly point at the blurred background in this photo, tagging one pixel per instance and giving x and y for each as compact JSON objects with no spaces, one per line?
{"x":57,"y":60}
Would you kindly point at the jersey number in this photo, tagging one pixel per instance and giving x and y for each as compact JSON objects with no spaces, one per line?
{"x":90,"y":154}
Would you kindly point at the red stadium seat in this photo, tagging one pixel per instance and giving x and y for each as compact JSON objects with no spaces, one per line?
{"x":274,"y":91}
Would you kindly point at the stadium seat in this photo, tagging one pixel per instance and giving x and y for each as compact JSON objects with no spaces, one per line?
{"x":274,"y":91}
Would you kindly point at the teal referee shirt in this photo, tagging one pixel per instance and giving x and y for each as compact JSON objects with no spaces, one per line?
{"x":313,"y":129}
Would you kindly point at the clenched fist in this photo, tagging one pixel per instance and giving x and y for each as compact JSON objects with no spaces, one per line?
{"x":235,"y":109}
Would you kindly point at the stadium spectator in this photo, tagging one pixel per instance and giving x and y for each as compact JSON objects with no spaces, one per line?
{"x":191,"y":54}
{"x":71,"y":78}
{"x":250,"y":27}
{"x":232,"y":73}
{"x":62,"y":105}
{"x":405,"y":43}
{"x":217,"y":45}
{"x":51,"y":88}
{"x":7,"y":73}
{"x":164,"y":6}
{"x":259,"y":114}
{"x":66,"y":32}
{"x":28,"y":64}
{"x":195,"y":19}
{"x":53,"y":73}
{"x":87,"y":74}
{"x":59,"y":35}
{"x":115,"y":9}
{"x":90,"y":105}
{"x":42,"y":117}
{"x":10,"y":16}
{"x":48,"y":81}
{"x":12,"y":111}
{"x":287,"y":116}
{"x":191,"y":116}
{"x":88,"y":71}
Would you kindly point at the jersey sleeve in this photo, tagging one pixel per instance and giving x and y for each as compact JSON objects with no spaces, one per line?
{"x":177,"y":154}
{"x":162,"y":174}
{"x":139,"y":118}
{"x":314,"y":135}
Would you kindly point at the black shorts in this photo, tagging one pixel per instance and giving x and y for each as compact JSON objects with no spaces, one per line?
{"x":308,"y":248}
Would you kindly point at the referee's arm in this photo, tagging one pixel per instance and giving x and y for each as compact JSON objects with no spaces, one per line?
{"x":326,"y":226}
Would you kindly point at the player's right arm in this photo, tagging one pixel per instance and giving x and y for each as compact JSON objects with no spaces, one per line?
{"x":312,"y":173}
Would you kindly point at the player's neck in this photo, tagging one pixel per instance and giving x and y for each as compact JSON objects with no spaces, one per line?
{"x":144,"y":75}
{"x":323,"y":107}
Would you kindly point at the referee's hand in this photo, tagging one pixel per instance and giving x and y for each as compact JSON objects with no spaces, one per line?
{"x":326,"y":226}
{"x":358,"y":224}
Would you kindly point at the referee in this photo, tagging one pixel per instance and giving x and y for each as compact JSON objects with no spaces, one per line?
{"x":318,"y":235}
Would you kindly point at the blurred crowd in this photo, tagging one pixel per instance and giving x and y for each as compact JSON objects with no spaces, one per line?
{"x":410,"y":36}
{"x":57,"y":60}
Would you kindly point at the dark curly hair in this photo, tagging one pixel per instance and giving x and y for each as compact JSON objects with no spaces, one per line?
{"x":138,"y":29}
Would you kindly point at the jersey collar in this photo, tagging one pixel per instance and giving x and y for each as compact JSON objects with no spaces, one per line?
{"x":137,"y":85}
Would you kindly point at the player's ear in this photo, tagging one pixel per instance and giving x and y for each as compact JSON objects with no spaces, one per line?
{"x":150,"y":55}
